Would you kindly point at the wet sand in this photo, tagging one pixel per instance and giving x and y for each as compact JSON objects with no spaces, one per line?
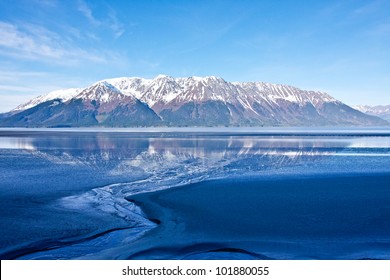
{"x":269,"y":218}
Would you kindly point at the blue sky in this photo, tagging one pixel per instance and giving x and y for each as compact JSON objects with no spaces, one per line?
{"x":341,"y":47}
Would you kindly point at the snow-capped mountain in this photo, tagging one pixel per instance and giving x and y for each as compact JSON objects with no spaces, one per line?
{"x":62,"y":94}
{"x":379,"y":111}
{"x":101,"y":104}
{"x":188,"y":101}
{"x":164,"y":89}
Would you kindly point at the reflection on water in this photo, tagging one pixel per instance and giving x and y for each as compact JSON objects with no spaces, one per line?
{"x":16,"y":143}
{"x":182,"y":157}
{"x":95,"y":148}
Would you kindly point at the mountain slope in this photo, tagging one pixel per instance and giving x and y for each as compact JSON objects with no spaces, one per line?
{"x":51,"y":113}
{"x":100,"y":104}
{"x":190,"y":101}
{"x":64,"y":95}
{"x":379,"y":111}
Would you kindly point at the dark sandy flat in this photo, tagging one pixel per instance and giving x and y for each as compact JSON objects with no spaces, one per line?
{"x":260,"y":218}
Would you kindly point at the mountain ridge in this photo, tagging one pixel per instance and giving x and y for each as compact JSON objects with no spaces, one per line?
{"x":188,"y":101}
{"x":382,"y":111}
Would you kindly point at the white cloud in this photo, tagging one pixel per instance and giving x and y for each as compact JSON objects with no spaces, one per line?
{"x":34,"y":42}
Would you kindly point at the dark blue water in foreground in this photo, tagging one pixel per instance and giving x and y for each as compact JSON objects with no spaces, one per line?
{"x":63,"y":193}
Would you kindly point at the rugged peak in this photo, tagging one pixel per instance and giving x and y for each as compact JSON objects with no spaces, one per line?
{"x":103,"y":85}
{"x":214,"y":78}
{"x":382,"y":111}
{"x":101,"y":91}
{"x":210,"y":101}
{"x":205,"y":79}
{"x":163,"y":77}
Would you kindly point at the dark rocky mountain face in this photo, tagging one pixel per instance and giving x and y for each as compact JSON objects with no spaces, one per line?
{"x":208,"y":113}
{"x":193,"y":101}
{"x":341,"y":113}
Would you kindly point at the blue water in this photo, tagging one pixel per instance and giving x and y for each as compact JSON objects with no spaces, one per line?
{"x":62,"y":192}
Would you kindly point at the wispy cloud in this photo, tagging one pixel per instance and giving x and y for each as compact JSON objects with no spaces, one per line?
{"x":203,"y":35}
{"x":368,"y":8}
{"x":15,"y":76}
{"x":17,"y":87}
{"x":115,"y":25}
{"x":46,"y":3}
{"x":32,"y":42}
{"x":87,"y":12}
{"x":381,"y":29}
{"x":10,"y":101}
{"x":111,"y":20}
{"x":12,"y":88}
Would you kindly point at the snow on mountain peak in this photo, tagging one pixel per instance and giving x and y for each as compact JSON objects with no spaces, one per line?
{"x":203,"y":79}
{"x":101,"y":91}
{"x":164,"y":89}
{"x":375,"y":110}
{"x":104,"y":84}
{"x":63,"y":94}
{"x":162,"y":76}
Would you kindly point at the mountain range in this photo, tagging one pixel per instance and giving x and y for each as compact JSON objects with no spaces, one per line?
{"x":190,"y":101}
{"x":379,"y":111}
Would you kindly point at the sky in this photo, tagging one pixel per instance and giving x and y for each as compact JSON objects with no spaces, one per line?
{"x":340,"y":47}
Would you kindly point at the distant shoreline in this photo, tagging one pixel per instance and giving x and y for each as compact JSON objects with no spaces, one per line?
{"x":261,"y":131}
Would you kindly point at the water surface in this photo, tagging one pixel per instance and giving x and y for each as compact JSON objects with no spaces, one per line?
{"x":63,"y":192}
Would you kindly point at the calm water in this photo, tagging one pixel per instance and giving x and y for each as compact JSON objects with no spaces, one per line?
{"x":62,"y":193}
